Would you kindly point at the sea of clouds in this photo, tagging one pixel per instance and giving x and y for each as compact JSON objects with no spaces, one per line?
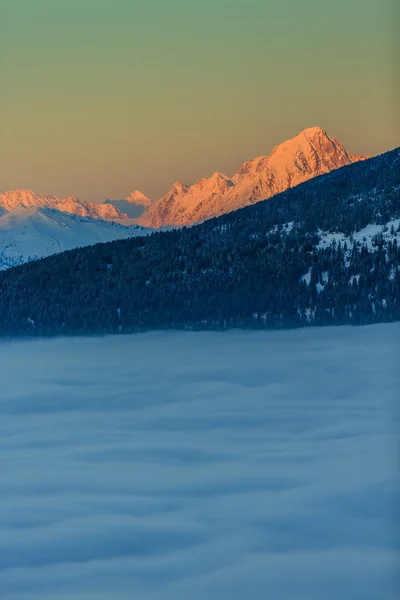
{"x":201,"y":466}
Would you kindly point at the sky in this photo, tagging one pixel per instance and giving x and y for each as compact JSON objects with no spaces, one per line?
{"x":101,"y":97}
{"x":168,"y":466}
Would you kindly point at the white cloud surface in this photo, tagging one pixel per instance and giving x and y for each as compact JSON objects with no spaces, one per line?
{"x":176,"y":466}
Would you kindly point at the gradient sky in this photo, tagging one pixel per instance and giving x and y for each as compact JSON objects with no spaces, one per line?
{"x":100,"y":97}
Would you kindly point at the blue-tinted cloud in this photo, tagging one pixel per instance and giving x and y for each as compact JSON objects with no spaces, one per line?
{"x":174,"y":466}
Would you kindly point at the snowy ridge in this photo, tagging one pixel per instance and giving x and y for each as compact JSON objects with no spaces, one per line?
{"x":27,"y":198}
{"x":29,"y":233}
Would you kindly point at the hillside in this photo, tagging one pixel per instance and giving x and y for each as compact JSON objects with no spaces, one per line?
{"x":324,"y":252}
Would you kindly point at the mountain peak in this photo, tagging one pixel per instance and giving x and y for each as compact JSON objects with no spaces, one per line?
{"x":313,"y":132}
{"x":177,"y":189}
{"x":178,"y":185}
{"x":137,"y":197}
{"x":218,"y":175}
{"x":303,"y":139}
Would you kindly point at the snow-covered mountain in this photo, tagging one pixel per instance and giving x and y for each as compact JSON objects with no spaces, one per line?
{"x":133,"y":205}
{"x":28,"y":233}
{"x":34,"y":225}
{"x":313,"y":152}
{"x":137,"y":197}
{"x":11,"y":199}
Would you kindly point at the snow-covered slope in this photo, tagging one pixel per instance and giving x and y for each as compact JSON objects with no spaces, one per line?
{"x":27,"y":233}
{"x":11,"y":199}
{"x":313,"y":152}
{"x":370,"y":236}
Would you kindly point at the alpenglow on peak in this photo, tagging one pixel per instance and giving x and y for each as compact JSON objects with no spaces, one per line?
{"x":311,"y":153}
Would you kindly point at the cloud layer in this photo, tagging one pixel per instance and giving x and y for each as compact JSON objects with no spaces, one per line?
{"x":175,"y":466}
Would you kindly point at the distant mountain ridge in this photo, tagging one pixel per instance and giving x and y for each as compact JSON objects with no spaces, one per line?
{"x":133,"y":206}
{"x":311,"y":153}
{"x":11,"y":199}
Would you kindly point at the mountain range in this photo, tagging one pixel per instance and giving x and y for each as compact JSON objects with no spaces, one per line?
{"x":35,"y":225}
{"x":71,"y":205}
{"x":311,"y":153}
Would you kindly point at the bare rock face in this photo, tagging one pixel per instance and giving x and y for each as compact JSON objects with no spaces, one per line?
{"x":313,"y":152}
